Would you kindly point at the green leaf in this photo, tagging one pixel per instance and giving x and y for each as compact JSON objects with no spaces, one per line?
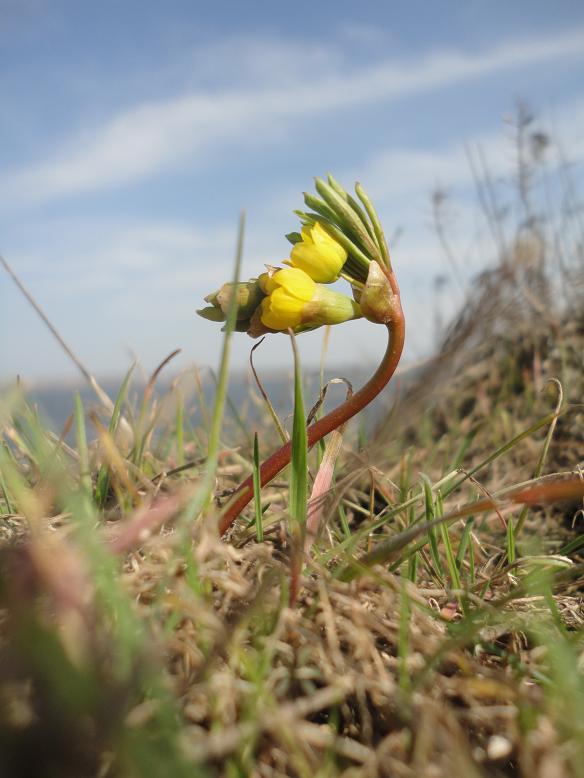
{"x":382,"y":243}
{"x":429,"y":515}
{"x":341,"y":191}
{"x":82,"y":450}
{"x":450,"y":558}
{"x":298,"y":474}
{"x":345,"y":214}
{"x":102,"y":483}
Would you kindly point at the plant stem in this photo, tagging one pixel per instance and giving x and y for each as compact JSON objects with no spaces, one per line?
{"x":338,"y":416}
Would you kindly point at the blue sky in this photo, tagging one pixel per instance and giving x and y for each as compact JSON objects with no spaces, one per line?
{"x":134,"y":132}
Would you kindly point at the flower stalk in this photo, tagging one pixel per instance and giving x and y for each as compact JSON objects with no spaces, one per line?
{"x":337,"y":417}
{"x":340,"y":237}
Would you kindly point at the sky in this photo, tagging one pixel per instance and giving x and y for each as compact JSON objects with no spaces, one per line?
{"x":134,"y":133}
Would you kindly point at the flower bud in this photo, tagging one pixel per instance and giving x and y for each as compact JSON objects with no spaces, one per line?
{"x":318,"y":254}
{"x":377,"y":299}
{"x":248,"y":295}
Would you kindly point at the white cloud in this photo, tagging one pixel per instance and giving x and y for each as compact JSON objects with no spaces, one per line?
{"x":157,"y":135}
{"x":262,"y":61}
{"x":129,"y":270}
{"x":144,"y":279}
{"x":395,"y":172}
{"x":401,"y":179}
{"x":140,"y":285}
{"x":159,"y":262}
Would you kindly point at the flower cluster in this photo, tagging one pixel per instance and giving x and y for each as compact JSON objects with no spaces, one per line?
{"x":340,"y":238}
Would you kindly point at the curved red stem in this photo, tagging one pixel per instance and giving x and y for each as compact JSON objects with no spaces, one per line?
{"x":338,"y":416}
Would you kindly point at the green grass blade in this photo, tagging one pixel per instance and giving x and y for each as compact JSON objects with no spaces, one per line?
{"x":180,"y":429}
{"x":201,"y":498}
{"x":429,"y":514}
{"x":510,"y":538}
{"x":450,"y":558}
{"x":103,"y":480}
{"x":572,"y":546}
{"x":298,"y":491}
{"x":298,"y":472}
{"x":465,"y":542}
{"x":82,"y":450}
{"x":344,"y":521}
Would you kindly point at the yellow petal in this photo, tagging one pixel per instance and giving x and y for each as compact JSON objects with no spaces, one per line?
{"x":296,"y":282}
{"x":322,"y":261}
{"x":319,"y":234}
{"x":281,"y":310}
{"x":326,"y":242}
{"x":267,"y":283}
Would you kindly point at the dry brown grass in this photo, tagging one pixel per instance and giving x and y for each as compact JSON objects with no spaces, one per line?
{"x":461,"y":655}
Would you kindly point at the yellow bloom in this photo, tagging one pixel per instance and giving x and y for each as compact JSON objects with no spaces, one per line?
{"x":318,"y":254}
{"x":288,"y":290}
{"x":295,"y":301}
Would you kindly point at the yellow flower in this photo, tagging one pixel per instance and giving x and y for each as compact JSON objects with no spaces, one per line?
{"x":295,"y":301}
{"x":318,"y":254}
{"x":288,"y":290}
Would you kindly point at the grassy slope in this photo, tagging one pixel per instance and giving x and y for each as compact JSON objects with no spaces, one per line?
{"x":449,"y":660}
{"x":170,"y":652}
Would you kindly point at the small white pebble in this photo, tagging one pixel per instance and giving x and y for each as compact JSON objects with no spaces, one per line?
{"x":498,"y":747}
